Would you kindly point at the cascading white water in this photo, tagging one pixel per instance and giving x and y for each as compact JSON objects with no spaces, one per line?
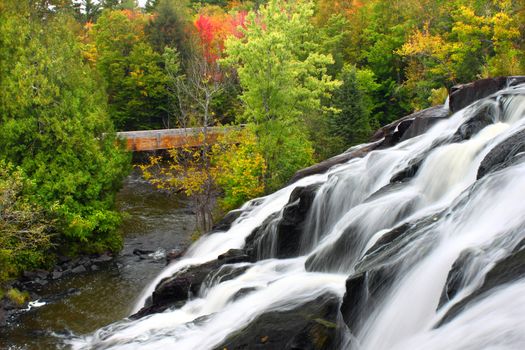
{"x":353,"y":208}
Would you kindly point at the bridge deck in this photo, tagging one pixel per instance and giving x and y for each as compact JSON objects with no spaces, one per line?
{"x":152,"y":140}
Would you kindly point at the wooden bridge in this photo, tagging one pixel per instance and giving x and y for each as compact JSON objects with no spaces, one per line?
{"x":152,"y":140}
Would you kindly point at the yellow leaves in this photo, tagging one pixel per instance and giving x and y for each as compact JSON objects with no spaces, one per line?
{"x":233,"y":164}
{"x":422,"y":43}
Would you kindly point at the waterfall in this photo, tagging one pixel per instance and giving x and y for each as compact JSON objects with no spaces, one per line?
{"x":411,"y":240}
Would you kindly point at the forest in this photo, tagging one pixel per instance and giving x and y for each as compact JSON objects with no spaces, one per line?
{"x":306,"y":79}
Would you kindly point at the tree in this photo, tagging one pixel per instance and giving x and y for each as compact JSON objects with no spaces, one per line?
{"x":353,"y":121}
{"x":170,"y":27}
{"x":26,"y":229}
{"x":283,"y":76}
{"x":54,"y":127}
{"x":133,"y":71}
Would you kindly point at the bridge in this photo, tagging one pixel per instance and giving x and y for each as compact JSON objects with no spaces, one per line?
{"x":152,"y":140}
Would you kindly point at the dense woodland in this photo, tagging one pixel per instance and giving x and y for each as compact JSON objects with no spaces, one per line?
{"x":308,"y":79}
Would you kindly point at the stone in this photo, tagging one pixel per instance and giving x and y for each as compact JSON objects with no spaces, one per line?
{"x":103,"y":258}
{"x":506,"y":153}
{"x":79,"y":269}
{"x":309,"y":326}
{"x":225,"y":223}
{"x":285,"y":230}
{"x":174,"y":254}
{"x":409,"y":126}
{"x":463,"y":95}
{"x":506,"y":270}
{"x":177,"y":289}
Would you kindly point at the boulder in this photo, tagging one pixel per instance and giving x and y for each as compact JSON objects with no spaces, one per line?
{"x":225,"y":223}
{"x":463,"y":95}
{"x":455,"y":279}
{"x":506,"y":270}
{"x":283,"y":231}
{"x":309,"y":326}
{"x":177,"y":289}
{"x":377,"y":271}
{"x":323,"y":166}
{"x":79,"y":269}
{"x":409,"y":126}
{"x":503,"y":154}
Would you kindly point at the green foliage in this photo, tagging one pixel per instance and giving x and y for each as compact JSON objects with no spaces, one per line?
{"x":241,"y":168}
{"x":17,"y":297}
{"x":283,"y":75}
{"x":26,"y":229}
{"x":132,"y":70}
{"x":353,"y":122}
{"x":54,"y":127}
{"x":170,"y":27}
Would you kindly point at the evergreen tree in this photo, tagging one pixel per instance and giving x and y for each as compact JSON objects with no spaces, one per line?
{"x":54,"y":127}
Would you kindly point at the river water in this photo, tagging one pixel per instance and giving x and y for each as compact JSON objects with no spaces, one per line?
{"x":155,"y":221}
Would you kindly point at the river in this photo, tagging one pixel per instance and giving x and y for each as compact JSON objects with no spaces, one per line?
{"x":154,"y":221}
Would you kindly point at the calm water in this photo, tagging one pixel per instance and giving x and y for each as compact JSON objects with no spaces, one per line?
{"x":155,"y":221}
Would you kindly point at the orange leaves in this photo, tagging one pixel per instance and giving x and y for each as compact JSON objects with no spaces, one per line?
{"x":213,"y":29}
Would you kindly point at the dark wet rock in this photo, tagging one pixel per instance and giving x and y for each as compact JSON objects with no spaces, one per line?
{"x":259,"y":242}
{"x":503,"y":154}
{"x":385,"y":190}
{"x":294,"y":216}
{"x":379,"y":269}
{"x":79,"y":269}
{"x":233,"y":256}
{"x":465,"y":94}
{"x":177,"y":289}
{"x":323,"y":166}
{"x":225,"y":273}
{"x":175,"y":254}
{"x":243,"y":292}
{"x":355,"y":301}
{"x":34,"y":275}
{"x":56,"y":275}
{"x":507,"y":270}
{"x":283,"y":231}
{"x":95,"y":267}
{"x":456,"y":275}
{"x":140,"y":252}
{"x":310,"y":326}
{"x":423,"y":123}
{"x":102,"y":258}
{"x":409,"y":126}
{"x":225,"y":223}
{"x":483,"y":117}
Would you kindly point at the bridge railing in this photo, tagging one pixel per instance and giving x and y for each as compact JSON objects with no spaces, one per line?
{"x":151,"y":140}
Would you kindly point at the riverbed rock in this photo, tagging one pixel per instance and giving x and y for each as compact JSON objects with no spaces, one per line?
{"x":323,"y":166}
{"x":456,"y":275}
{"x":506,"y":270}
{"x":175,"y":254}
{"x":283,"y":231}
{"x":463,"y":95}
{"x":409,"y":126}
{"x":225,"y":223}
{"x":309,"y":326}
{"x":503,"y":154}
{"x":183,"y":285}
{"x":79,"y":269}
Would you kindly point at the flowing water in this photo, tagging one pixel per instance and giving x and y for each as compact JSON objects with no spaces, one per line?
{"x":86,"y":302}
{"x":355,"y":206}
